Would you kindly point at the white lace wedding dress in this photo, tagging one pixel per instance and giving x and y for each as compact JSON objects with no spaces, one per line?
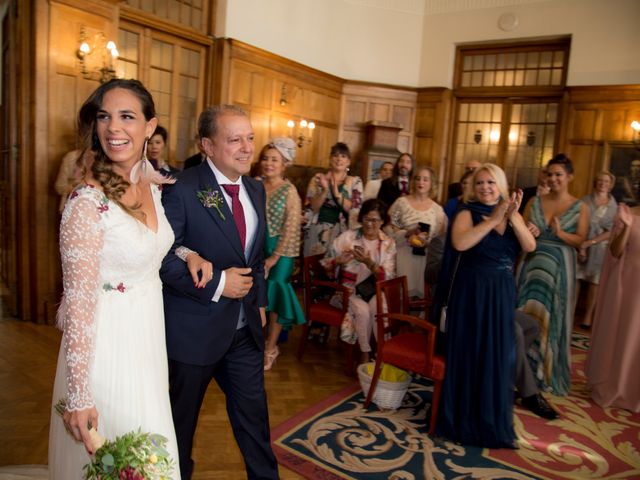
{"x":113,"y":351}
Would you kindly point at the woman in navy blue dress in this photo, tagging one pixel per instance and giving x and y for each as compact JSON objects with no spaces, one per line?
{"x":477,"y":397}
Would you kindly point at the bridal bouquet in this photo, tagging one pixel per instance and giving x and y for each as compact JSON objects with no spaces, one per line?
{"x":132,"y":456}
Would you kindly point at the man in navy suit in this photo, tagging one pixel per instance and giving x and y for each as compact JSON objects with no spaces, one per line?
{"x":214,"y":323}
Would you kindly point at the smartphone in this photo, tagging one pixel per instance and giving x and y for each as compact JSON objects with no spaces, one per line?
{"x":424,"y":227}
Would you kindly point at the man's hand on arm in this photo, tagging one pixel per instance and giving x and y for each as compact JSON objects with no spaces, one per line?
{"x":238,"y":282}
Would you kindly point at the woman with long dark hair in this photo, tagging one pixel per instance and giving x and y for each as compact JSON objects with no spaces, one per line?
{"x":547,"y":277}
{"x":112,"y":369}
{"x":333,"y":201}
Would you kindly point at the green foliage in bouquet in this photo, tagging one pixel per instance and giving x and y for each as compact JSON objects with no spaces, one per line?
{"x":133,"y":456}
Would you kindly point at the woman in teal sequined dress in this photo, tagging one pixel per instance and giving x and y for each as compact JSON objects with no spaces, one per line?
{"x":282,"y":244}
{"x":547,"y":277}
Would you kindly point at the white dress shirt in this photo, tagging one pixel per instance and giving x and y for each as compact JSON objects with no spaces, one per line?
{"x":250,"y":218}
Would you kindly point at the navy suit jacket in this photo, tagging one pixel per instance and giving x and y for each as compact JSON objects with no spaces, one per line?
{"x":199,"y":331}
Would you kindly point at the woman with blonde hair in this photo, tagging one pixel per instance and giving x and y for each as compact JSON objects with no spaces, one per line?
{"x":477,"y":394}
{"x":282,"y":242}
{"x":415,"y":220}
{"x":602,"y":210}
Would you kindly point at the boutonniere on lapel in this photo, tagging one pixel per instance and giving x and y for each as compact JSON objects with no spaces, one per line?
{"x":211,"y":198}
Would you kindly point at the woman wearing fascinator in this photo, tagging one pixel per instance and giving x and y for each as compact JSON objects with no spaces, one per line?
{"x":282,"y":242}
{"x":112,"y":369}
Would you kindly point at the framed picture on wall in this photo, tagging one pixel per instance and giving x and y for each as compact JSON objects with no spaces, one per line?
{"x":623,"y":160}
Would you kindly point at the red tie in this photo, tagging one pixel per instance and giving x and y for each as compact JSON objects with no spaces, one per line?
{"x":238,"y":212}
{"x":405,"y":190}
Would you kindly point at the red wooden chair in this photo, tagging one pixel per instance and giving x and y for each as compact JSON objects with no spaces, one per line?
{"x":406,"y":341}
{"x":422,"y":304}
{"x":316,"y":304}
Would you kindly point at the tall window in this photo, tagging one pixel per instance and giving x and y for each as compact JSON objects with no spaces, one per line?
{"x":190,"y":13}
{"x":507,"y":101}
{"x":173,"y":69}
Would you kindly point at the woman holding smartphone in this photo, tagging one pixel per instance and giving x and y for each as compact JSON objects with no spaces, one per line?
{"x":359,"y":258}
{"x":415,"y":220}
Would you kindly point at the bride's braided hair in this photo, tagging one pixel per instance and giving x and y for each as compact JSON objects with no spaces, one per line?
{"x":113,"y":184}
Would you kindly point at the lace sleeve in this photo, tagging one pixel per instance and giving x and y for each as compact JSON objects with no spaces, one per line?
{"x":289,"y":243}
{"x":182,"y":252}
{"x":81,"y":240}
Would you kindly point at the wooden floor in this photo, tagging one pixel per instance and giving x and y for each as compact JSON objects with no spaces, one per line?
{"x":28,"y":355}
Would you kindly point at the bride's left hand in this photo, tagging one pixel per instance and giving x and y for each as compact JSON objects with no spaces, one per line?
{"x":78,"y":423}
{"x":195,"y":264}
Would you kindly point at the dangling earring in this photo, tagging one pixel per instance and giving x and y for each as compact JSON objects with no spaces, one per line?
{"x":144,"y":148}
{"x":144,"y":169}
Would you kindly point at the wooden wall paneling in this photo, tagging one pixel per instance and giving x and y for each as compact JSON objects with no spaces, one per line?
{"x":585,"y":162}
{"x":240,"y":87}
{"x":364,"y":102}
{"x":9,"y":249}
{"x":614,"y":124}
{"x":403,"y":115}
{"x":379,"y":111}
{"x":278,"y":124}
{"x":255,"y":81}
{"x":595,"y":115}
{"x":261,"y":90}
{"x":261,"y":122}
{"x":584,"y":123}
{"x":432,"y":131}
{"x":42,"y":230}
{"x":327,"y":137}
{"x":355,"y":113}
{"x":61,"y":98}
{"x":23,"y":153}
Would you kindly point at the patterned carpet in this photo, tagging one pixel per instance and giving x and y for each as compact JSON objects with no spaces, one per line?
{"x":338,"y":439}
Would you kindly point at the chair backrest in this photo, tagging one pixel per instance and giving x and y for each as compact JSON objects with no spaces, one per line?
{"x":318,"y":287}
{"x":312,"y":270}
{"x":393,"y":295}
{"x":385,"y":324}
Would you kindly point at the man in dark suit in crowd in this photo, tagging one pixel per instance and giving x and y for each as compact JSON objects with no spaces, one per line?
{"x":455,"y":189}
{"x":540,"y":189}
{"x":400,"y":182}
{"x":198,"y":158}
{"x":215,"y":332}
{"x":527,"y":330}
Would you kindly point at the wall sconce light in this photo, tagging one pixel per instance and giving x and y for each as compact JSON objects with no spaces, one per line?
{"x":531,"y":138}
{"x":283,"y":95}
{"x":635,"y":125}
{"x":304,"y":134}
{"x":477,"y":137}
{"x":103,"y":51}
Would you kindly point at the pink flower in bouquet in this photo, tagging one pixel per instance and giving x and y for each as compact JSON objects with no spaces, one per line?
{"x":130,"y":473}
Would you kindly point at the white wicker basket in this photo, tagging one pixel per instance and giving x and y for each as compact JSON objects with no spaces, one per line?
{"x":388,"y":395}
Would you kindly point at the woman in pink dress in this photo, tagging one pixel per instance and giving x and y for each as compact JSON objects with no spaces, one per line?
{"x":614,"y":359}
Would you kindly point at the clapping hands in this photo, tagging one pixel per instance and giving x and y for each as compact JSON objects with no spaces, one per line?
{"x":515,"y":200}
{"x":507,"y":208}
{"x":322,"y":181}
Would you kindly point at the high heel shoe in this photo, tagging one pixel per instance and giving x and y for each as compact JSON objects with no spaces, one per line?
{"x":270,"y":358}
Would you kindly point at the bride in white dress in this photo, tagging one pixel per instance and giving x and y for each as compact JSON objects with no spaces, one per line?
{"x":112,"y":367}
